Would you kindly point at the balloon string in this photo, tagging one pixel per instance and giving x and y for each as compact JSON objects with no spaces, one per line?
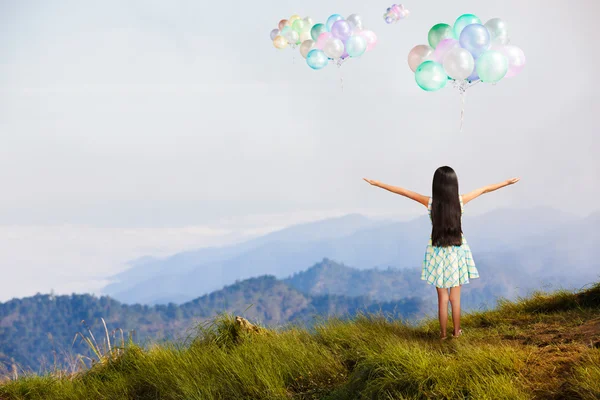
{"x":462,"y":108}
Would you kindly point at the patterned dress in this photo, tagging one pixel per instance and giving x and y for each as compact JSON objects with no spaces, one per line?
{"x":446,"y":267}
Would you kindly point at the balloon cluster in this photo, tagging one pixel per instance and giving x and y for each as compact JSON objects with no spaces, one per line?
{"x":291,"y":32}
{"x":395,"y":13}
{"x":467,"y":52}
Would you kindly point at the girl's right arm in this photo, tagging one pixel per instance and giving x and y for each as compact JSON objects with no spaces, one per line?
{"x":487,"y":189}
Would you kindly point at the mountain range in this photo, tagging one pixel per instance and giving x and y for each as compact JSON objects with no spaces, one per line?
{"x":540,"y":246}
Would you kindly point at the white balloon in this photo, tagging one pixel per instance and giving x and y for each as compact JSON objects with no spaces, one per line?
{"x":417,"y":55}
{"x":274,"y":34}
{"x":292,"y":36}
{"x":459,"y":63}
{"x":306,"y":47}
{"x":498,"y":30}
{"x":355,"y":21}
{"x":309,"y":22}
{"x":334,"y":48}
{"x":304,"y":36}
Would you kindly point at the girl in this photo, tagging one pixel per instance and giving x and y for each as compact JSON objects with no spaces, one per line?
{"x":448,"y":260}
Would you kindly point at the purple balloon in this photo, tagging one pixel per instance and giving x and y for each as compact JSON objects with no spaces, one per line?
{"x":342,"y":30}
{"x":475,"y":38}
{"x":474,"y":75}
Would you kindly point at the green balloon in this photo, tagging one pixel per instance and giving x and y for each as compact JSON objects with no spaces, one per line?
{"x":462,"y":22}
{"x":438,"y":33}
{"x":430,"y":76}
{"x":491,"y":66}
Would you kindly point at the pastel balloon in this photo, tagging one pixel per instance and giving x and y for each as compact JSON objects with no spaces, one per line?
{"x":515,"y":56}
{"x":283,"y":23}
{"x":492,"y":66}
{"x":316,"y":59}
{"x":430,"y":76}
{"x":474,"y":75}
{"x":317,"y":30}
{"x":356,"y":46}
{"x":280,"y":42}
{"x":309,"y":21}
{"x":306,"y":47}
{"x":355,"y":21}
{"x":342,"y":30}
{"x":464,"y":21}
{"x":371,"y":38}
{"x":498,"y":30}
{"x":305,"y":36}
{"x":332,"y":20}
{"x":458,"y":63}
{"x":334,"y":48}
{"x":322,"y":39}
{"x":443,"y":48}
{"x":294,"y":18}
{"x":291,"y":36}
{"x":299,"y":25}
{"x":475,"y":38}
{"x":418,"y":55}
{"x":274,"y":34}
{"x":438,"y":33}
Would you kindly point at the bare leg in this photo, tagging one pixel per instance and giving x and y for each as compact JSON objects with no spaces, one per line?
{"x":443,"y":309}
{"x":455,"y":302}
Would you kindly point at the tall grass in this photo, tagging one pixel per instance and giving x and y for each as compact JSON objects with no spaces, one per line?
{"x":506,"y":353}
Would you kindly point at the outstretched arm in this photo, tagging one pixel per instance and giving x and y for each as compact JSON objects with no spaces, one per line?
{"x":487,"y":189}
{"x":419,"y":198}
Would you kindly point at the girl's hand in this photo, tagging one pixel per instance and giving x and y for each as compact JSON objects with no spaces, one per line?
{"x":513,"y":181}
{"x":371,"y":182}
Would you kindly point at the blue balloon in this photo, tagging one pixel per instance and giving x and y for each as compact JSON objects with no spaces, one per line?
{"x":475,"y":38}
{"x":332,"y":20}
{"x":316,"y":59}
{"x":316,"y":30}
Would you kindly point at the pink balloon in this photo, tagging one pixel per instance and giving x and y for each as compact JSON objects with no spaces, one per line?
{"x":322,"y":39}
{"x":443,"y":48}
{"x":515,"y":56}
{"x":370,"y":37}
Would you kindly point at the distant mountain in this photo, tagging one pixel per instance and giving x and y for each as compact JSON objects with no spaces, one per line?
{"x":354,"y":240}
{"x":34,"y":330}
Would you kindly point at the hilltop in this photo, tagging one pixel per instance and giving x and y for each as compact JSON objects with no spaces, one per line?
{"x":546,"y":346}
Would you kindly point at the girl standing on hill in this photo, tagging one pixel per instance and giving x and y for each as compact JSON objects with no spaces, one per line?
{"x":448,"y":262}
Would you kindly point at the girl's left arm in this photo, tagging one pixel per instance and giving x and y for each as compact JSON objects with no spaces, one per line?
{"x":419,"y":198}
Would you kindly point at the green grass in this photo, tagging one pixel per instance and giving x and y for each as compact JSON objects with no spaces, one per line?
{"x":545,"y":346}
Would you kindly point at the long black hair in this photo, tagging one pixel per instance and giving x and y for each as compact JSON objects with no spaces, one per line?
{"x":445,"y":209}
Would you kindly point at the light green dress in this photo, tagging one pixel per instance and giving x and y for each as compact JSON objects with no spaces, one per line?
{"x":446,"y":267}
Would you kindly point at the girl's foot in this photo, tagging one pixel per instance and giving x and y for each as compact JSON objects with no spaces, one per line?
{"x":460,"y":332}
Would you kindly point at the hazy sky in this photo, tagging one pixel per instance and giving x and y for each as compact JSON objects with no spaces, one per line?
{"x":180,"y":122}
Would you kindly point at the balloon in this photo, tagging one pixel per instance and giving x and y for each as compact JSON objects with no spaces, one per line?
{"x":342,"y":30}
{"x":355,"y":21}
{"x":356,"y":46}
{"x":280,"y":42}
{"x":274,"y":33}
{"x":309,"y":21}
{"x":299,"y":26}
{"x":443,"y":48}
{"x":294,"y":18}
{"x":322,"y":39}
{"x":291,"y":35}
{"x":305,"y":36}
{"x":283,"y":23}
{"x":317,"y":30}
{"x":438,"y":33}
{"x":371,"y":38}
{"x":463,"y":21}
{"x":417,"y":55}
{"x":475,"y":38}
{"x":430,"y":76}
{"x":306,"y":47}
{"x":492,"y":66}
{"x":316,"y":59}
{"x":332,"y":20}
{"x":334,"y":48}
{"x":498,"y":30}
{"x":515,"y":56}
{"x":474,"y":75}
{"x":459,"y":63}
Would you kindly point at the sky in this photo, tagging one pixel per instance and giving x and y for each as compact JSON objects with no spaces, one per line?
{"x":132,"y":128}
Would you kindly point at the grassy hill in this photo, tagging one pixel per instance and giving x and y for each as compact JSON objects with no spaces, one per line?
{"x":546,"y":346}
